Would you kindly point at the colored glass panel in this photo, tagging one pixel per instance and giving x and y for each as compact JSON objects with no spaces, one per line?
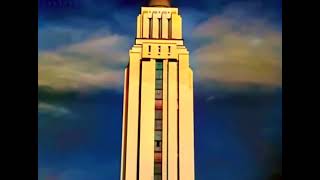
{"x":158,"y":121}
{"x":157,"y":168}
{"x":158,"y":114}
{"x":158,"y":94}
{"x":158,"y":146}
{"x":158,"y":84}
{"x":159,"y":65}
{"x":158,"y":124}
{"x":157,"y":177}
{"x":158,"y":135}
{"x":159,"y":74}
{"x":158,"y":157}
{"x":159,"y":104}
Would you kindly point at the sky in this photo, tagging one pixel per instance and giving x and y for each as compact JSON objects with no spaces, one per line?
{"x":236,"y":55}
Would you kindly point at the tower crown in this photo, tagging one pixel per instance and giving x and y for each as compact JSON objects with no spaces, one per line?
{"x":160,"y":3}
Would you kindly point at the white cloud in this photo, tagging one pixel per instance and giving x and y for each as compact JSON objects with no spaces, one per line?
{"x":243,"y":50}
{"x":54,"y":110}
{"x":211,"y":98}
{"x":92,"y":64}
{"x":239,"y":50}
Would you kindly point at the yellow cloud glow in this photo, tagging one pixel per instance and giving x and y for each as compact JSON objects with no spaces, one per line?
{"x":240,"y":53}
{"x":96,"y":63}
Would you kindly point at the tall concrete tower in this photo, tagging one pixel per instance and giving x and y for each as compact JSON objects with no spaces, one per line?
{"x":158,"y":130}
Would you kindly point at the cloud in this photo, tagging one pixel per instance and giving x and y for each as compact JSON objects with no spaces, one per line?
{"x":95,"y":63}
{"x":210,"y":98}
{"x":57,"y":35}
{"x":239,"y":50}
{"x":233,"y":49}
{"x":55,"y":110}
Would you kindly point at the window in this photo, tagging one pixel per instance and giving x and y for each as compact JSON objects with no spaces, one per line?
{"x":158,"y":94}
{"x":157,"y":168}
{"x":169,"y":28}
{"x":158,"y":146}
{"x":158,"y":65}
{"x":159,"y":74}
{"x":158,"y":120}
{"x":158,"y":124}
{"x":158,"y":114}
{"x":158,"y":157}
{"x":157,"y":177}
{"x":159,"y":104}
{"x":158,"y":84}
{"x":158,"y":135}
{"x":150,"y":28}
{"x":160,"y":28}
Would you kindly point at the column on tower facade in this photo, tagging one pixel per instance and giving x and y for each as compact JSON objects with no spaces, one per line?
{"x":132,"y":117}
{"x":173,"y":120}
{"x":147,"y":116}
{"x":186,"y":129}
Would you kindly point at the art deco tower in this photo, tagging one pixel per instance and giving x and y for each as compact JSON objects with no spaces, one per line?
{"x":157,"y":133}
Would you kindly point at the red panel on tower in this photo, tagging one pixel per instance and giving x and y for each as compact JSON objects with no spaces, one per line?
{"x":158,"y":104}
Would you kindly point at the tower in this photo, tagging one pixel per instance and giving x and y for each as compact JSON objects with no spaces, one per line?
{"x":158,"y":130}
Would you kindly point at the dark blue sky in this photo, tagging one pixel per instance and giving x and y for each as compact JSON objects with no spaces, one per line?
{"x":83,"y":47}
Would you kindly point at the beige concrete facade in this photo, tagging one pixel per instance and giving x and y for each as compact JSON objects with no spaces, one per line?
{"x":158,"y":52}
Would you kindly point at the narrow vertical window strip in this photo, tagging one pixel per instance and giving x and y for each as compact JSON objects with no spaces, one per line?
{"x":160,"y":28}
{"x":169,"y":28}
{"x":150,"y":27}
{"x":158,"y":131}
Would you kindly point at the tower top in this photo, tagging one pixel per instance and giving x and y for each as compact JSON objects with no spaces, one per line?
{"x":159,"y":3}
